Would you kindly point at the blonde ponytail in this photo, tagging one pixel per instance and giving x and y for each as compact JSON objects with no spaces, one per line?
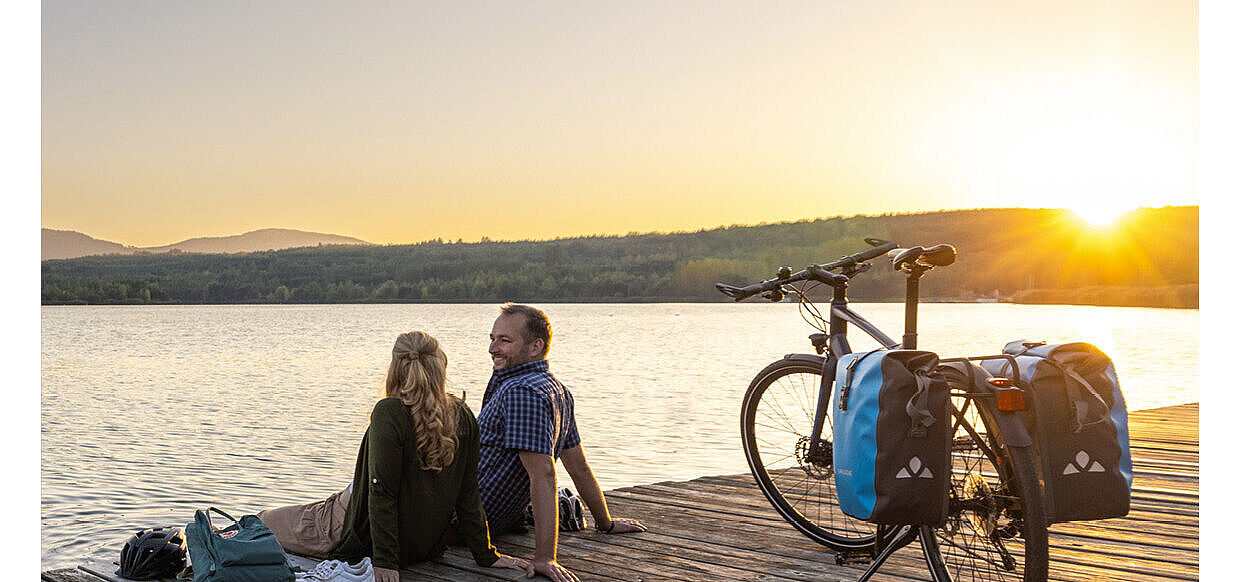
{"x":416,"y":376}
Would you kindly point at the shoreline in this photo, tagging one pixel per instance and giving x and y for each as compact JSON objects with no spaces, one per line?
{"x":605,"y":301}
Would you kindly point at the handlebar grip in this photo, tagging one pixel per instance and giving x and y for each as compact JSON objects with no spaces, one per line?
{"x":739,"y":293}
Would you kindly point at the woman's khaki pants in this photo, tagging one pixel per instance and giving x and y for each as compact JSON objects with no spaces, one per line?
{"x":311,"y":529}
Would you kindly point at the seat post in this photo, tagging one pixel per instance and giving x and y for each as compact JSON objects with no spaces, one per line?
{"x":912,"y":291}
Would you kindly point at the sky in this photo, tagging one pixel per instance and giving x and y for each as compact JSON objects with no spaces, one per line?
{"x":405,"y":121}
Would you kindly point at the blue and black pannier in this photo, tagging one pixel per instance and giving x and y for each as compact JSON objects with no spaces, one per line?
{"x":892,"y":437}
{"x":1079,"y":424}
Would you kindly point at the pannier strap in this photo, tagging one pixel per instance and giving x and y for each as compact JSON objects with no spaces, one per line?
{"x":918,"y":407}
{"x":1067,"y":364}
{"x":1081,"y":401}
{"x":850,"y":369}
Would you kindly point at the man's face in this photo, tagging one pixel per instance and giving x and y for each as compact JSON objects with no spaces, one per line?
{"x":508,"y":345}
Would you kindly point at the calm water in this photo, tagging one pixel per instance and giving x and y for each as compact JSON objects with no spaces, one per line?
{"x":149,"y":413}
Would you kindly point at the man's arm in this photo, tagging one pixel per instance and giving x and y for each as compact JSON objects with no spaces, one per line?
{"x":574,"y":460}
{"x":543,"y":496}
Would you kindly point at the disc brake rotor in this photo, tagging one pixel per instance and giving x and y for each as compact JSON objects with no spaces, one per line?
{"x":815,"y":460}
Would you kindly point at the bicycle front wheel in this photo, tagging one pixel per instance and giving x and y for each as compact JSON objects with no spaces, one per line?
{"x":777,"y":417}
{"x":996,"y":527}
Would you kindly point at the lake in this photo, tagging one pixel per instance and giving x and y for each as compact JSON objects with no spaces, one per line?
{"x":151,"y":412}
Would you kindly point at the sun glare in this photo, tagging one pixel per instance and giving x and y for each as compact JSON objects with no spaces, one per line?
{"x":1099,"y":214}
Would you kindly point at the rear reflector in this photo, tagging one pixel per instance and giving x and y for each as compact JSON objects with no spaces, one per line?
{"x":1010,"y":400}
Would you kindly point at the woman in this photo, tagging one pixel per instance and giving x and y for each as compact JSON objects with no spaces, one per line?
{"x":416,"y":467}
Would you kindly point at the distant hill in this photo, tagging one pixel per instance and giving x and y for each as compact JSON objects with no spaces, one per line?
{"x":67,"y":244}
{"x":267,"y":239}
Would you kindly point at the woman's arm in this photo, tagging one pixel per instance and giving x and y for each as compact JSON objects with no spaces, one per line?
{"x":386,"y":468}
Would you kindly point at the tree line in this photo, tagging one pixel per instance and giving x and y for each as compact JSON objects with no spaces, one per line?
{"x":1003,"y":253}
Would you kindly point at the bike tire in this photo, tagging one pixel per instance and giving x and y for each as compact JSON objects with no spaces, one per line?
{"x":996,"y":529}
{"x":777,"y":415}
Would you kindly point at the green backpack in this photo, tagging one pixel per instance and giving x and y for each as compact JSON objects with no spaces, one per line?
{"x":245,"y":551}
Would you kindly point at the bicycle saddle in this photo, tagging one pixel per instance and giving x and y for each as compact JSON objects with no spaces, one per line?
{"x":940,"y":255}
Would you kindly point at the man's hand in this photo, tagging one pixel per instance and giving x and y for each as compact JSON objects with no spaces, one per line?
{"x":554,"y":571}
{"x":506,"y":561}
{"x":386,"y":575}
{"x":621,"y":525}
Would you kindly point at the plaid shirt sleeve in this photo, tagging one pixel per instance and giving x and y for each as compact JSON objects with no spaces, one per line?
{"x":530,"y":424}
{"x":571,"y":438}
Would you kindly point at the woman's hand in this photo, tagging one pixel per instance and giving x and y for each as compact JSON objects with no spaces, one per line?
{"x":386,"y":575}
{"x":506,"y":561}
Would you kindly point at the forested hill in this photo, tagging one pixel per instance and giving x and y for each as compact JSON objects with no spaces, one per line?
{"x":1148,"y":257}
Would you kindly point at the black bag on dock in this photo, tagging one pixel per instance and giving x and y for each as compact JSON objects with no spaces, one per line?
{"x":245,"y":551}
{"x":1079,"y":424}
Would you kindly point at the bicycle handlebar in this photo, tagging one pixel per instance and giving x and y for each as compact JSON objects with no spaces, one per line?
{"x":820,"y":273}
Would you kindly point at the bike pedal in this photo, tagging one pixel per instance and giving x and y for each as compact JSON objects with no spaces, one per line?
{"x":845,"y":558}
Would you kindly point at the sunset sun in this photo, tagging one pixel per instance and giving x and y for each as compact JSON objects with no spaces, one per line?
{"x":1100,"y":213}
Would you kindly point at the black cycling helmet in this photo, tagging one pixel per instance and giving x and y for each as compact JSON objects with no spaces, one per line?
{"x":153,"y":553}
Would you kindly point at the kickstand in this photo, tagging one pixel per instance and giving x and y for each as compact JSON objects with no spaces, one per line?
{"x":930,"y":549}
{"x":904,"y":536}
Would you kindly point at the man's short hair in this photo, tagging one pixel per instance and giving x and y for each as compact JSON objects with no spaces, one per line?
{"x":537,"y":326}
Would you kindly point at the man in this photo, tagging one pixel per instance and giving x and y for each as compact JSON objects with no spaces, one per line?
{"x":527,"y":423}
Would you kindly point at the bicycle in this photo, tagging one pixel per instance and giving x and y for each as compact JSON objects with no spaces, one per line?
{"x":996,"y":528}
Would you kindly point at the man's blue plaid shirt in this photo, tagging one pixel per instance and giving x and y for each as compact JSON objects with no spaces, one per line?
{"x":523,"y":409}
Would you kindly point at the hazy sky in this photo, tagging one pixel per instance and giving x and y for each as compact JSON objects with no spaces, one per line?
{"x":403,"y":121}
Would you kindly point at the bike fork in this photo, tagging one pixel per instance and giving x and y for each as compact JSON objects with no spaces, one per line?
{"x":837,"y":345}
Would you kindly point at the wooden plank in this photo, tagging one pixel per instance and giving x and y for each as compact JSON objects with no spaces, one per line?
{"x":69,"y":575}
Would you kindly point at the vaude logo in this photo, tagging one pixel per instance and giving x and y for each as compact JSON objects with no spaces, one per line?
{"x":1080,"y":464}
{"x":914,"y":469}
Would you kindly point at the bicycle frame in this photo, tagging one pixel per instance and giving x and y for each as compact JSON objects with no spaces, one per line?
{"x":837,"y":341}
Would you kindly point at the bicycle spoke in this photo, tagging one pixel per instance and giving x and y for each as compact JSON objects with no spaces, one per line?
{"x":802,"y":488}
{"x":985,"y":538}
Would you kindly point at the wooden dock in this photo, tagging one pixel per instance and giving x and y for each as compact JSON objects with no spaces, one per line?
{"x":722,"y":528}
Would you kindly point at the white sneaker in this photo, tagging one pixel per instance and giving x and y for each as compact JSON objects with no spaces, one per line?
{"x":337,"y":571}
{"x":363,"y":568}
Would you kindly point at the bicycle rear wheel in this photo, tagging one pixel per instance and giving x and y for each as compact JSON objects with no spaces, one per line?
{"x":777,"y":416}
{"x":996,"y":526}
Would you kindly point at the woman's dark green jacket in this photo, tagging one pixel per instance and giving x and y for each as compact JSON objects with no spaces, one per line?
{"x":399,"y":513}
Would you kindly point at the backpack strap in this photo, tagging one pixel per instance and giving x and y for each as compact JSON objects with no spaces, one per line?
{"x":207,"y":514}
